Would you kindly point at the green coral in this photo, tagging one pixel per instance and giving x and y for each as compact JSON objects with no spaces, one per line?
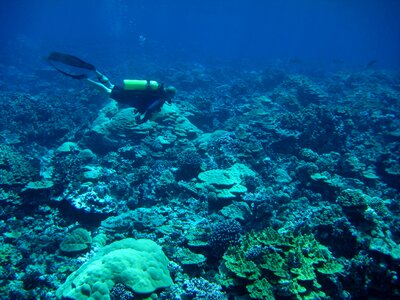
{"x":242,"y":267}
{"x":330,"y":267}
{"x":284,"y":262}
{"x":260,"y":289}
{"x":274,"y":263}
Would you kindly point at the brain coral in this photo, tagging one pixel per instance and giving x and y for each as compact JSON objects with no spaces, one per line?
{"x":138,"y":264}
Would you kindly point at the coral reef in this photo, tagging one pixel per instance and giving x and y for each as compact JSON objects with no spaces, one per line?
{"x":252,"y":184}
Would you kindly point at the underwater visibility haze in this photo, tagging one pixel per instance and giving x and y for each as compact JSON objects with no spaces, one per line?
{"x":200,"y":149}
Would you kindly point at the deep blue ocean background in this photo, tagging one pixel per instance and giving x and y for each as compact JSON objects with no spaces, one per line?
{"x":272,"y":173}
{"x":328,"y":33}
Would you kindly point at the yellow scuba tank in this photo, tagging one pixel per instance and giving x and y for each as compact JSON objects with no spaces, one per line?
{"x":140,"y":85}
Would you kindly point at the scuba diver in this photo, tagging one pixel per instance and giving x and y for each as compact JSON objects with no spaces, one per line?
{"x":146,"y":96}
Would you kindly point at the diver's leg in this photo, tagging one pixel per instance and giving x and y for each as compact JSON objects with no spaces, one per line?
{"x":99,"y":86}
{"x":103,"y":83}
{"x":104,"y":80}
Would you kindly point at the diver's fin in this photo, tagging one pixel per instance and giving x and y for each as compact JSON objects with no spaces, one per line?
{"x":69,"y":60}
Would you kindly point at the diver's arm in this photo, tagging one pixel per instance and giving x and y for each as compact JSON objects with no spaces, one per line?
{"x":152,"y":109}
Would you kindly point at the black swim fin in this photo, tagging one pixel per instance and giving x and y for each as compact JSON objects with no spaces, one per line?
{"x":70,"y":60}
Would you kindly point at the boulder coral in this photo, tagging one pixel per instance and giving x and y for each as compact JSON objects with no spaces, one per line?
{"x":140,"y":265}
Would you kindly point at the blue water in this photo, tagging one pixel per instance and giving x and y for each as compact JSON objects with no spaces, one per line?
{"x":258,"y":32}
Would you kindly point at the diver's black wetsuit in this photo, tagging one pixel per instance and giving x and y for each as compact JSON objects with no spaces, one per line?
{"x":146,"y":102}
